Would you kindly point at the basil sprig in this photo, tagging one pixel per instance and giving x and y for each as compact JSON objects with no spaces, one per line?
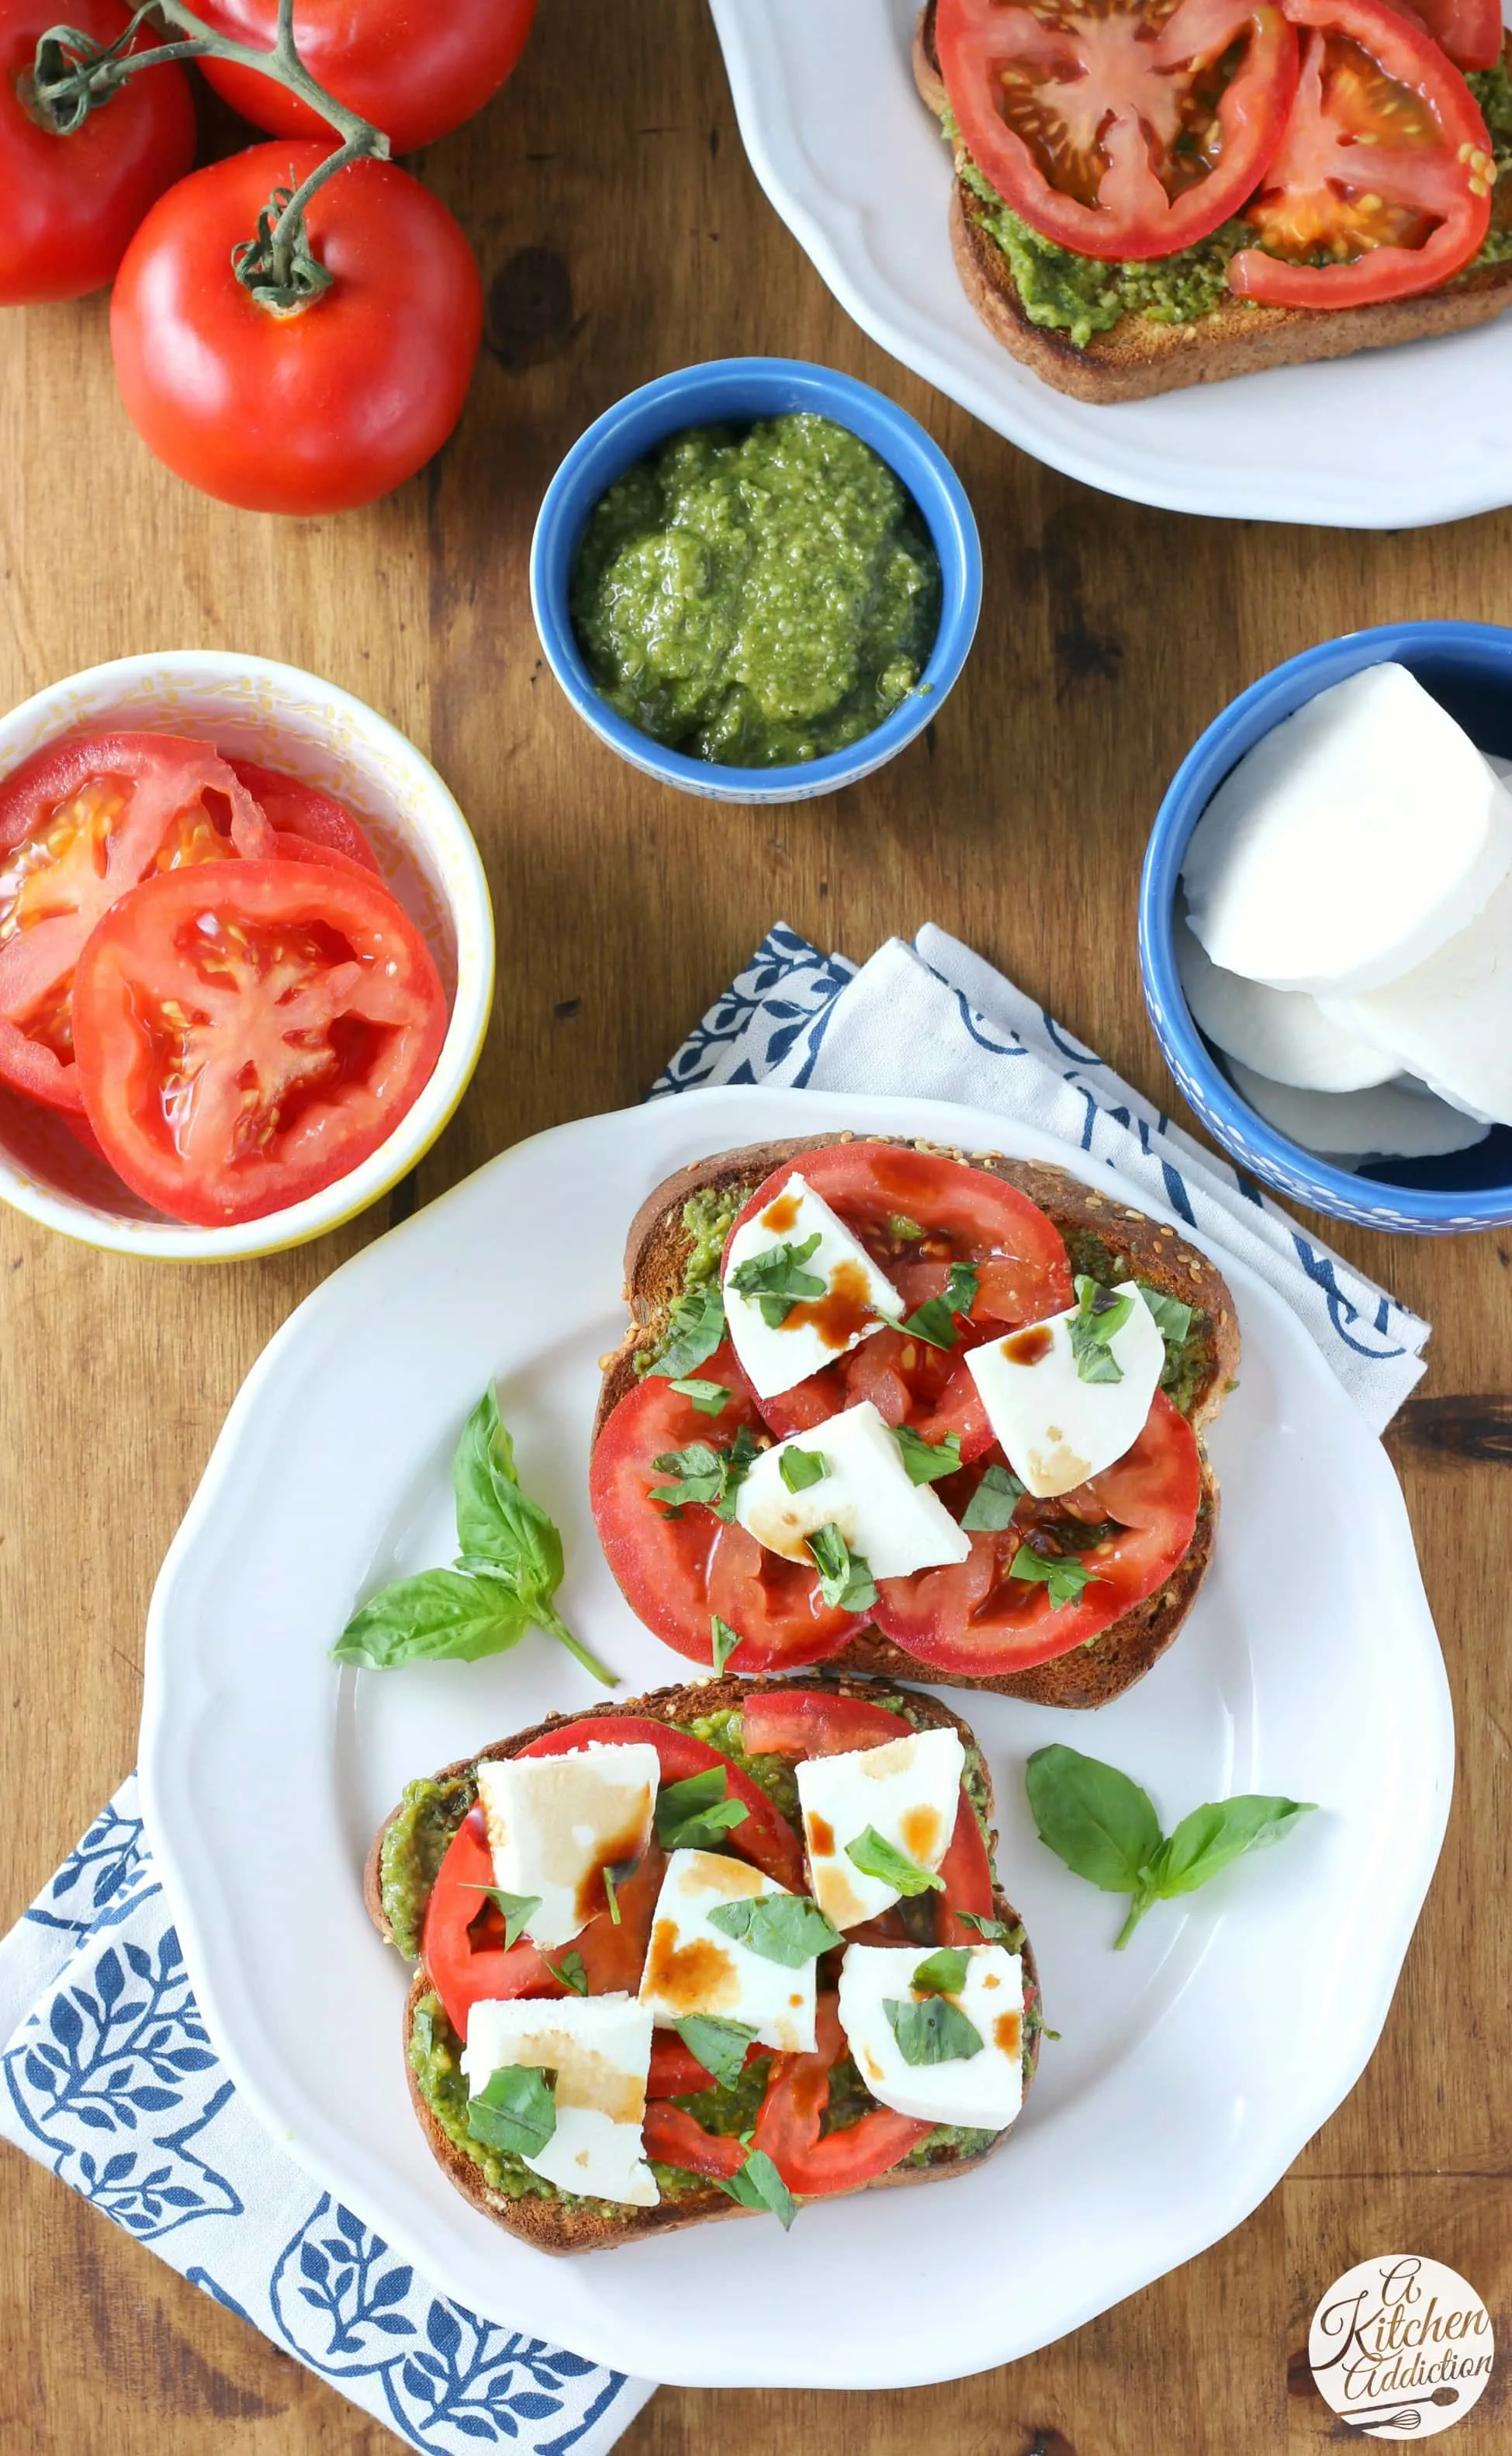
{"x":1062,"y":1573}
{"x":758,"y":2185}
{"x":934,"y":1321}
{"x":720,"y":2046}
{"x":777,"y":1280}
{"x":516,"y":2112}
{"x":927,"y":1462}
{"x":876,"y":1856}
{"x":702,"y":1473}
{"x":1105,"y":1828}
{"x":784,"y":1928}
{"x":507,"y":1575}
{"x":935,"y":2031}
{"x":695,"y":1325}
{"x":696,"y":1814}
{"x":844,"y":1577}
{"x":991,"y":1505}
{"x":515,"y":1908}
{"x":1098,"y":1314}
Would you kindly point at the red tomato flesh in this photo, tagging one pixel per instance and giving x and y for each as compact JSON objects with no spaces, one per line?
{"x":415,"y":71}
{"x":1470,"y":31}
{"x":788,"y":2126}
{"x":247,"y":1035}
{"x":303,"y":811}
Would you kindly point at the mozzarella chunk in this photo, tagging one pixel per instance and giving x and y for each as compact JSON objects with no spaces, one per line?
{"x":895,"y":1524}
{"x":858,"y":1298}
{"x":1450,"y":1019}
{"x":1350,"y":843}
{"x":1284,"y":1033}
{"x":1397,"y":1120}
{"x":984,"y":2090}
{"x":1056,"y":1429}
{"x":556,"y":1823}
{"x":909,"y":1791}
{"x":692,"y":1966}
{"x":599,"y":2049}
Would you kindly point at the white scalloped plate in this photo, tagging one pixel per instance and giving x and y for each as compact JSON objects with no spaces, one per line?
{"x":1191,"y":2069}
{"x":854,"y":165}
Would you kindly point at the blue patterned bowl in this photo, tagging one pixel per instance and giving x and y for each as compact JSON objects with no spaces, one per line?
{"x":1469,"y":668}
{"x":735,"y":392}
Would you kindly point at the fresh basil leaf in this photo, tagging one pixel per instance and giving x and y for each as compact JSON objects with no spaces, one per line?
{"x":993,"y":1931}
{"x":800,"y":1469}
{"x":697,"y":1815}
{"x":695,"y":1326}
{"x":1064,"y":1575}
{"x":785,"y":1927}
{"x":441,"y":1616}
{"x":935,"y":2031}
{"x":1213,"y":1836}
{"x":706,"y":1474}
{"x":844,"y":1579}
{"x":927,"y":1461}
{"x":991,"y":1505}
{"x":720,"y":2046}
{"x":1098,"y":1315}
{"x":777,"y":1281}
{"x":758,"y":2185}
{"x":517,"y":1909}
{"x":710,"y":1397}
{"x":1174,"y":1320}
{"x":1092,"y":1816}
{"x":907,"y":1230}
{"x":934,"y":1321}
{"x":723,"y":1640}
{"x":570,"y":1970}
{"x":517,"y":2112}
{"x":876,"y":1856}
{"x":503,"y":1535}
{"x":943,"y":1973}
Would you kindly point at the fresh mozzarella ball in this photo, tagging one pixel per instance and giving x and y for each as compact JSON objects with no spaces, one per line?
{"x":983,"y":2090}
{"x":907,"y":1791}
{"x":555,"y":1823}
{"x":1283,"y":1033}
{"x":893,"y":1523}
{"x":1391,"y":1121}
{"x":691,"y":1966}
{"x":599,"y":2049}
{"x":857,"y":1298}
{"x":1450,"y":1019}
{"x":1056,"y":1428}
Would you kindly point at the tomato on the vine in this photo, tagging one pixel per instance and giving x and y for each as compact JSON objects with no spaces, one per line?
{"x":416,"y":69}
{"x":320,"y":409}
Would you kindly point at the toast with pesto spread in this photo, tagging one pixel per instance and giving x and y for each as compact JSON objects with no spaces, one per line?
{"x":674,"y":1255}
{"x":443,"y":1845}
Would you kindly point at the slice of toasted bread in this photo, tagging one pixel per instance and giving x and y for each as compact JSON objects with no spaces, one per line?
{"x":657,"y":1249}
{"x":551,"y":2223}
{"x":1141,"y":357}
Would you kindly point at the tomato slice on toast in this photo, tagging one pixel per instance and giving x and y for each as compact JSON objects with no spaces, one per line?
{"x":815,"y":2164}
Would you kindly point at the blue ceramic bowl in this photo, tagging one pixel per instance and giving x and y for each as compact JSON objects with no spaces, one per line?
{"x":1467,"y":666}
{"x":735,"y":392}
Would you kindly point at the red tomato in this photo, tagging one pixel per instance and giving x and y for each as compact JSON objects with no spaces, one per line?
{"x":765,"y":1839}
{"x":417,"y":72}
{"x":976,"y":1618}
{"x":675,"y":2069}
{"x":1469,"y":30}
{"x":303,"y":811}
{"x":816,"y":1723}
{"x":312,"y":411}
{"x":81,"y":821}
{"x":970,"y":1216}
{"x":1119,"y":128}
{"x":966,"y":1876}
{"x":677,"y":1573}
{"x":788,"y":2126}
{"x":1385,"y":166}
{"x":674,"y":2138}
{"x":248,"y":1034}
{"x":72,"y":203}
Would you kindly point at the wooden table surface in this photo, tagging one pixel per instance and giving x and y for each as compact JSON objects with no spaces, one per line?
{"x":621,"y":233}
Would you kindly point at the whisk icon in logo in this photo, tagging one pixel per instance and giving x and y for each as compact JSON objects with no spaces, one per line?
{"x":1400,"y":2346}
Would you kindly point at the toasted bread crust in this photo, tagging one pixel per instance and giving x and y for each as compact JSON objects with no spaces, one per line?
{"x":1139,"y":358}
{"x":550,"y":2225}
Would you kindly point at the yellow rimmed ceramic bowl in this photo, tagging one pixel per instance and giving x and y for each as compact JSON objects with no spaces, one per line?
{"x":251,"y":707}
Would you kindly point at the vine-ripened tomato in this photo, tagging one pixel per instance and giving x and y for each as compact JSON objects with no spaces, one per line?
{"x":72,"y":203}
{"x":315,"y":410}
{"x":416,"y":69}
{"x":677,"y":1573}
{"x":80,"y":823}
{"x":1385,"y":166}
{"x":248,"y":1034}
{"x":1470,"y":31}
{"x":314,"y":818}
{"x":1119,"y":128}
{"x":815,"y":2165}
{"x":885,"y":1193}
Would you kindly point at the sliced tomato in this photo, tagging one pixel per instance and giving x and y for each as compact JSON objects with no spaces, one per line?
{"x":1470,"y":31}
{"x":765,"y":1839}
{"x":816,"y":1723}
{"x":674,"y":2138}
{"x":81,"y":821}
{"x":248,"y":1034}
{"x":788,"y":2125}
{"x":677,"y":1573}
{"x":978,"y":1619}
{"x":883,"y":1192}
{"x":966,"y":1876}
{"x":303,"y":810}
{"x":1119,"y":128}
{"x":1381,"y":185}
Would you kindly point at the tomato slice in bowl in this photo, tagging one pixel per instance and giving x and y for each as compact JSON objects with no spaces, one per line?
{"x":305,"y":812}
{"x":80,"y":823}
{"x":1119,"y":128}
{"x":917,"y":1215}
{"x":246,"y":1035}
{"x":1381,"y":185}
{"x":1135,"y":1521}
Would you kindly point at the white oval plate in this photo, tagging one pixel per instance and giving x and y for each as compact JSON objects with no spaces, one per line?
{"x":1191,"y":2069}
{"x":855,"y":166}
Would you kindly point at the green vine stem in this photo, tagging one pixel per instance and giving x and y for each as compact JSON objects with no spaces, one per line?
{"x":72,"y":74}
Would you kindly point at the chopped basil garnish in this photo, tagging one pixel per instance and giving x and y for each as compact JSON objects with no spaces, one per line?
{"x":800,"y":1469}
{"x":785,"y":1927}
{"x":875,"y":1857}
{"x":758,"y":2185}
{"x":710,"y":1397}
{"x":935,"y":2031}
{"x":1098,"y":1315}
{"x":517,"y":2112}
{"x":844,"y":1579}
{"x":991,"y":1507}
{"x":991,"y":1929}
{"x":517,"y":1909}
{"x":927,"y":1461}
{"x":943,"y":1973}
{"x":695,"y":1328}
{"x":570,"y":1970}
{"x":723,"y":1640}
{"x":1173,"y":1318}
{"x":720,"y":2046}
{"x":707,"y":1474}
{"x":934,"y":1321}
{"x":777,"y":1280}
{"x":1063,"y":1576}
{"x":696,"y":1814}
